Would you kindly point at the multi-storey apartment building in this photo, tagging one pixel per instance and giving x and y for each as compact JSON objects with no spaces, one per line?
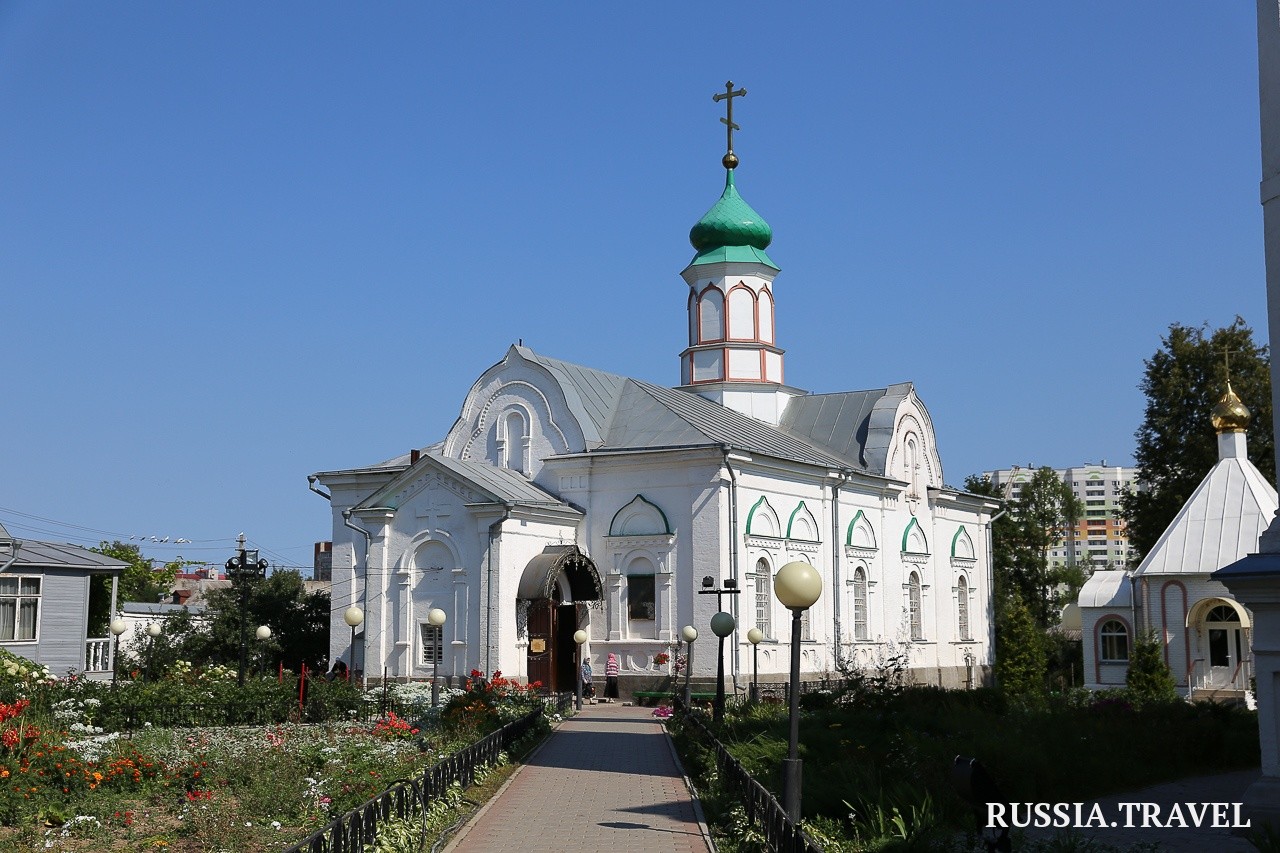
{"x":1099,"y":538}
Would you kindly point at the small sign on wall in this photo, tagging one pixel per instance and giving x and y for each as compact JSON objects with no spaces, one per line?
{"x":537,"y":646}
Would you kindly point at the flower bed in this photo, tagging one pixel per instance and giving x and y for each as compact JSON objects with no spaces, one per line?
{"x":67,"y":781}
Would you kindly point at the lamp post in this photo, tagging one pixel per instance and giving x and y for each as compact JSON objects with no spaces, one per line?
{"x":728,"y":587}
{"x":153,"y":631}
{"x":118,"y":627}
{"x":263,"y":634}
{"x":688,"y":633}
{"x":722,"y":625}
{"x":243,"y":569}
{"x":436,"y":619}
{"x":754,"y":636}
{"x":353,"y":616}
{"x":797,"y":585}
{"x":579,"y":637}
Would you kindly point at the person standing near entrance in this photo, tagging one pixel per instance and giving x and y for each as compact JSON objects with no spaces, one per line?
{"x":588,"y":689}
{"x":611,"y":677}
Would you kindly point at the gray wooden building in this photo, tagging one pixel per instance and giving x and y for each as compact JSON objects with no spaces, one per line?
{"x":44,"y":605}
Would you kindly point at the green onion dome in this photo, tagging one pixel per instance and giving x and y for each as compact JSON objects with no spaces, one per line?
{"x":730,"y":222}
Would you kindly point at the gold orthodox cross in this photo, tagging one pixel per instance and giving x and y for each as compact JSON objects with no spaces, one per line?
{"x":728,"y":95}
{"x":1226,"y":358}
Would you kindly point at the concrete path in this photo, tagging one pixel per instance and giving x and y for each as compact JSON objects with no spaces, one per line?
{"x":607,"y":779}
{"x":1222,"y":788}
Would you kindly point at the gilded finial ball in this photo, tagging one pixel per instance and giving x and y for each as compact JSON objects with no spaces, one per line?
{"x":730,"y":160}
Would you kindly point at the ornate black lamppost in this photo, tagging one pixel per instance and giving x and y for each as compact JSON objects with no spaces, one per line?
{"x":243,"y":569}
{"x":722,"y":625}
{"x":688,"y":633}
{"x":754,"y":636}
{"x":797,"y":585}
{"x":730,"y":587}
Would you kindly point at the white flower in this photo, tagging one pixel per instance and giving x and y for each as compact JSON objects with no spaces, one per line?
{"x":275,"y":824}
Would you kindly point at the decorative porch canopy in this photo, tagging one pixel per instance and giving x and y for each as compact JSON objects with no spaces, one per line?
{"x":540,"y":576}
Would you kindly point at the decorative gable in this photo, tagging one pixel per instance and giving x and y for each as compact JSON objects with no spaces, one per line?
{"x":802,"y":525}
{"x":762,"y":520}
{"x":640,"y":517}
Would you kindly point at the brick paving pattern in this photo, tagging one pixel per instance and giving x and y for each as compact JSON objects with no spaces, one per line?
{"x":605,"y":781}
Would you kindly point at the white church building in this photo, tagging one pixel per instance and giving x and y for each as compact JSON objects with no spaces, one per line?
{"x":1203,"y":630}
{"x":567,"y":497}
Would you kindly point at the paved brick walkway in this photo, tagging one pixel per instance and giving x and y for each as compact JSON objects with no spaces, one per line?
{"x":606,"y":780}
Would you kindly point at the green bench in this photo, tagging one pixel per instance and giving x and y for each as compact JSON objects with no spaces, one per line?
{"x":641,"y":695}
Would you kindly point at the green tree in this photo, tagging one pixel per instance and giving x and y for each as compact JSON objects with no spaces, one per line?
{"x":140,"y":581}
{"x":299,"y":623}
{"x":1176,"y":444}
{"x":1021,"y":539}
{"x":1149,"y":678}
{"x":1021,"y":662}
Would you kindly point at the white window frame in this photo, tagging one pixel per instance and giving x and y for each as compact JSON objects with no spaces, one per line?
{"x":962,"y":608}
{"x":861,"y":630}
{"x":18,"y":598}
{"x":1108,"y":637}
{"x":427,"y":634}
{"x":915,"y":618}
{"x":764,"y":597}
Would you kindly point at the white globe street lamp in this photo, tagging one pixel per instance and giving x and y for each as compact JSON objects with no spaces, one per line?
{"x":353,"y":616}
{"x":754,"y":636}
{"x":688,"y":633}
{"x":797,"y":585}
{"x":436,"y":619}
{"x":118,"y":627}
{"x":153,"y":631}
{"x":579,"y":637}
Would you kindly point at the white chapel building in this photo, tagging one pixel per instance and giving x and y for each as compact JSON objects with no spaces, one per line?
{"x":567,"y":497}
{"x":1203,"y":629}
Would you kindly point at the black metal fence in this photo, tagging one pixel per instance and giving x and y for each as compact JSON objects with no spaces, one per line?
{"x":780,"y":691}
{"x":763,"y":810}
{"x":351,"y":832}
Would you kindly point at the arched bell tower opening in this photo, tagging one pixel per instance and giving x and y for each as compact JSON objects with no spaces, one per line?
{"x":557,"y":585}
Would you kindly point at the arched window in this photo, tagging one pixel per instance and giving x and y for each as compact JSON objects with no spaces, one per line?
{"x":913,"y":607}
{"x":742,"y":314}
{"x":1114,"y":646}
{"x":764,"y":597}
{"x":962,"y":607}
{"x":711,"y":315}
{"x":515,"y":442}
{"x":859,"y":604}
{"x":1222,"y":613}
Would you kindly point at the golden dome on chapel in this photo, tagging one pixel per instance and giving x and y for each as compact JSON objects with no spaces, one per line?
{"x":1230,"y":415}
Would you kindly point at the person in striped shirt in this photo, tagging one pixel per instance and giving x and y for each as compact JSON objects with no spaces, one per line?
{"x":611,"y":677}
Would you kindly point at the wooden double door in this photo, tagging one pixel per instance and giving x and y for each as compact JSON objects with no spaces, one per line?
{"x":552,"y":650}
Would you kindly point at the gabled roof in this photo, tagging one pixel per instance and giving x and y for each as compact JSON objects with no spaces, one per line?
{"x":650,"y":416}
{"x":53,"y":555}
{"x":1219,"y":523}
{"x":592,"y":395}
{"x":855,"y":425}
{"x":501,"y":485}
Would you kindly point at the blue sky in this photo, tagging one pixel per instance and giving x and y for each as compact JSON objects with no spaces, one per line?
{"x":244,"y":242}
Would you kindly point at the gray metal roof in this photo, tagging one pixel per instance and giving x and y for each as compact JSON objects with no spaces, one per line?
{"x":854,"y":425}
{"x":501,"y":484}
{"x":52,"y":555}
{"x":650,"y":416}
{"x":4,"y":534}
{"x":591,"y":394}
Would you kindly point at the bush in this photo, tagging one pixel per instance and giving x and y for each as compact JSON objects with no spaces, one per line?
{"x":1149,"y":679}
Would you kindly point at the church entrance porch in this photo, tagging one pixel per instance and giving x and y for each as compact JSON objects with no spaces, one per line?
{"x":556,"y":584}
{"x":1223,"y":662}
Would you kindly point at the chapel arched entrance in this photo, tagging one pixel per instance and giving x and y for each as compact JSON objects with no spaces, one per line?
{"x":1224,"y":658}
{"x":556,"y":585}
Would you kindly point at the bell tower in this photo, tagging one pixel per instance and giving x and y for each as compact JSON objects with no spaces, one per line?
{"x":733,"y":357}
